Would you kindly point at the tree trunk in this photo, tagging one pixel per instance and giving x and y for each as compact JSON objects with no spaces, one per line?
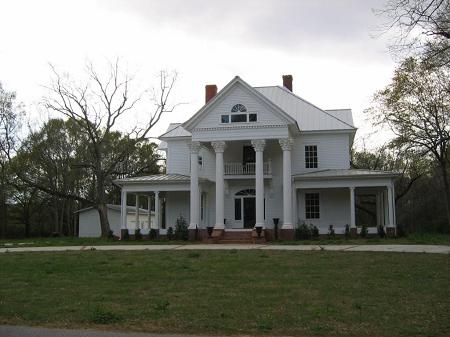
{"x":443,"y":166}
{"x":104,"y":223}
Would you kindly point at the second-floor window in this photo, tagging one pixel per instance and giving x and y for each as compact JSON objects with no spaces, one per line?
{"x":311,"y":156}
{"x":200,"y":161}
{"x":239,"y":114}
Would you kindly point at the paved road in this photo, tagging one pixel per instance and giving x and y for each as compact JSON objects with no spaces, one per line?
{"x":432,"y":249}
{"x":21,"y":331}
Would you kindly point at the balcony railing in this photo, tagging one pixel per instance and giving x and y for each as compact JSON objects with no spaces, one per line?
{"x":246,"y":169}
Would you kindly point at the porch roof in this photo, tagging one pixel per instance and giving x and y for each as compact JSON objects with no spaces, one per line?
{"x":156,"y":178}
{"x":345,"y":173}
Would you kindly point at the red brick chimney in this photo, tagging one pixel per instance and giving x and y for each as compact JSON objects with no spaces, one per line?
{"x":210,"y":92}
{"x":287,"y":82}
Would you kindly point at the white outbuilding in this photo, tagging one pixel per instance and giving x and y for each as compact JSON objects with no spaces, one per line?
{"x":89,"y":220}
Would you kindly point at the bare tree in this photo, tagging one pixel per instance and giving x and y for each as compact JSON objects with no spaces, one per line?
{"x":96,"y":107}
{"x":420,"y":27}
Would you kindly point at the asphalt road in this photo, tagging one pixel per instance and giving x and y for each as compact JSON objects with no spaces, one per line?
{"x":21,"y":331}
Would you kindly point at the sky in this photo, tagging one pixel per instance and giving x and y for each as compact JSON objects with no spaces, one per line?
{"x":332,"y":49}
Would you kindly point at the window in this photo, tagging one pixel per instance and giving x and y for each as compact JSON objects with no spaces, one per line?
{"x":239,"y":108}
{"x":239,"y":115}
{"x":200,"y":160}
{"x":311,"y":156}
{"x":240,"y":118}
{"x":312,"y":206}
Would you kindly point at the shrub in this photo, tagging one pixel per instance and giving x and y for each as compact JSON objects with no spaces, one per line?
{"x":364,"y":231}
{"x":314,"y":231}
{"x":181,"y":229}
{"x":170,"y":233}
{"x":381,"y":232}
{"x":347,"y":231}
{"x":401,"y":231}
{"x":331,"y":232}
{"x":103,"y":316}
{"x":303,"y":232}
{"x":137,"y":234}
{"x":110,"y":234}
{"x":126,"y":235}
{"x":152,"y":234}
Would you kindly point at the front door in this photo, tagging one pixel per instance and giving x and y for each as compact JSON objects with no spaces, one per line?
{"x":249,"y":212}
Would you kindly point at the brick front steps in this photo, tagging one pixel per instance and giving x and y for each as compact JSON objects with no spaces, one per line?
{"x":235,"y":236}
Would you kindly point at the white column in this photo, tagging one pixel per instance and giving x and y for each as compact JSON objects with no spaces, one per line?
{"x":157,"y":210}
{"x":219,"y":148}
{"x":352,"y":208}
{"x":378,"y":209}
{"x":149,"y":200}
{"x":259,"y":146}
{"x":137,"y":211}
{"x":390,"y":206}
{"x":385,"y":208}
{"x":286,"y":146}
{"x":194,"y":195}
{"x":394,"y":214}
{"x":123,"y":210}
{"x":294,"y":207}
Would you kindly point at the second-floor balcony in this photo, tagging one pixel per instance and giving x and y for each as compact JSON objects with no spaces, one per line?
{"x":246,"y":168}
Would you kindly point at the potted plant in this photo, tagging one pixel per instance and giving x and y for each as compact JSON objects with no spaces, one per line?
{"x":258,"y":231}
{"x":209,"y":229}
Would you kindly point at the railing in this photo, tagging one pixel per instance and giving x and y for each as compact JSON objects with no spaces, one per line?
{"x":246,"y":169}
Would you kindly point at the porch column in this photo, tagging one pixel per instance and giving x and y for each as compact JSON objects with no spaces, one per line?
{"x":379,"y":209}
{"x":194,"y":203}
{"x":391,"y":202}
{"x":352,"y":207}
{"x":123,"y":211}
{"x":219,"y":148}
{"x":286,"y":146}
{"x":294,"y":208}
{"x":157,"y":210}
{"x":149,"y":206}
{"x":137,"y":211}
{"x":259,"y":146}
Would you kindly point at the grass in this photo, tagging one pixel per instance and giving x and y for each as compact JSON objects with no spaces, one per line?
{"x":430,"y":239}
{"x":258,"y":293}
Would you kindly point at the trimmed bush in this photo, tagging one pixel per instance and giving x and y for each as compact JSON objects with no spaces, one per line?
{"x":347,"y":231}
{"x":303,"y":232}
{"x":364,"y":231}
{"x":381,"y":232}
{"x":170,"y":233}
{"x":137,"y":234}
{"x":152,"y":234}
{"x":331,"y":233}
{"x":181,"y":229}
{"x":314,"y":231}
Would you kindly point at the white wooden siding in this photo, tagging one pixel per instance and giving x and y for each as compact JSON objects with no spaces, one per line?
{"x":177,"y":203}
{"x":333,"y":151}
{"x":178,"y":157}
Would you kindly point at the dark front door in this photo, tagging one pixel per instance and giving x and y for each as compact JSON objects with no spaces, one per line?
{"x":248,"y":155}
{"x":249,"y":212}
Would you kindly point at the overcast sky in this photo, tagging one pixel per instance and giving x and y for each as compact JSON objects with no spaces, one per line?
{"x":328,"y":47}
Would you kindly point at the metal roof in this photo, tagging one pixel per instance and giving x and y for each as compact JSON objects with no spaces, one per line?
{"x":345,"y":173}
{"x":308,"y":116}
{"x":157,"y":178}
{"x":175,"y":130}
{"x":130,"y":209}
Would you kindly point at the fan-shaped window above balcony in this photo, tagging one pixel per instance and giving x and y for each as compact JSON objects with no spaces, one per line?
{"x":239,"y":108}
{"x":249,"y":192}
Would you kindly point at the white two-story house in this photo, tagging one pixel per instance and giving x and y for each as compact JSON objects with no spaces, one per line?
{"x":255,"y":156}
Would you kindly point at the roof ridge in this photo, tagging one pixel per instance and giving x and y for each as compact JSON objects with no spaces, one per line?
{"x":304,"y":100}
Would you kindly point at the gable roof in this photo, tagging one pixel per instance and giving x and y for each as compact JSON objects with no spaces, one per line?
{"x":191,"y":122}
{"x":308,"y":116}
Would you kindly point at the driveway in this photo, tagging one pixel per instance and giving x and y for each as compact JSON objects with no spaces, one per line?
{"x":22,"y":331}
{"x":431,"y":249}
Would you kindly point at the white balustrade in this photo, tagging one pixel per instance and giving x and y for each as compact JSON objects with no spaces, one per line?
{"x":246,"y":169}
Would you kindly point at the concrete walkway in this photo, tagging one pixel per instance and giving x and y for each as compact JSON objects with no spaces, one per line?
{"x":23,"y":331}
{"x":432,"y":249}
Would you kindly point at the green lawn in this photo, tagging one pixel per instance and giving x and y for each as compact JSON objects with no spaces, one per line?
{"x":430,"y":239}
{"x":269,"y":293}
